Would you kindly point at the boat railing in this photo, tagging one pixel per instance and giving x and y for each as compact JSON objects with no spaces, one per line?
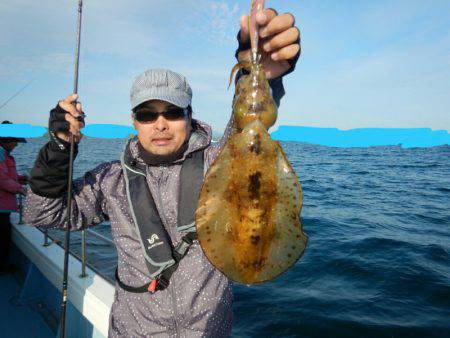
{"x":83,"y":258}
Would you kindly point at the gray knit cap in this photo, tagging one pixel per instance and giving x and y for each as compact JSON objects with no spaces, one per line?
{"x":161,"y":84}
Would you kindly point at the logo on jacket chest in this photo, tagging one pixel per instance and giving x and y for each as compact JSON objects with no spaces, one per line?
{"x":153,"y":241}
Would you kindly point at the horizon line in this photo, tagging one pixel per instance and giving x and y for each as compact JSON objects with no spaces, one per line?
{"x":326,"y":136}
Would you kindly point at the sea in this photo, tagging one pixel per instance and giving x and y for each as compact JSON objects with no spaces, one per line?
{"x":377,"y":262}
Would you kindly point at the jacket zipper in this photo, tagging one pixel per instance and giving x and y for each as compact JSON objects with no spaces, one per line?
{"x":171,"y":287}
{"x":174,"y":305}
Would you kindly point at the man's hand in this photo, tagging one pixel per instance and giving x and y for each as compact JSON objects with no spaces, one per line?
{"x":67,"y":118}
{"x":279,"y":41}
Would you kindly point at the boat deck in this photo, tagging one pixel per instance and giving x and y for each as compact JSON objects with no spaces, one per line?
{"x":30,"y":299}
{"x":19,"y":320}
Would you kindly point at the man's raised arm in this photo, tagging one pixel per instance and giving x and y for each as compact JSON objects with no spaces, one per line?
{"x":279,"y":49}
{"x":46,"y":201}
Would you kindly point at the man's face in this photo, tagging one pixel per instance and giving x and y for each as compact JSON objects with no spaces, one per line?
{"x":162,"y":136}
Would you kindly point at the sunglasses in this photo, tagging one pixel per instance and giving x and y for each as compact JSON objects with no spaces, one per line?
{"x":147,"y":115}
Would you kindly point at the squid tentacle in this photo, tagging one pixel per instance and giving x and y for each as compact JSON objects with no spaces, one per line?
{"x":256,"y":6}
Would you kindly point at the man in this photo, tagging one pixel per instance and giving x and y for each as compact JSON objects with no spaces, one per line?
{"x":165,"y":285}
{"x":10,"y":185}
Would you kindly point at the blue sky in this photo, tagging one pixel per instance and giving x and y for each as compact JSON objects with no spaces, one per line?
{"x":364,"y":63}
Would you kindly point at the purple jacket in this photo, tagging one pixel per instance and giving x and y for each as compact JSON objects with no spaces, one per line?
{"x":198,"y":301}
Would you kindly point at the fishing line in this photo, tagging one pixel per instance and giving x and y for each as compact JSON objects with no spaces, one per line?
{"x":15,"y":94}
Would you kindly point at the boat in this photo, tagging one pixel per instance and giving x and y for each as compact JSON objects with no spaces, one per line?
{"x":31,"y":297}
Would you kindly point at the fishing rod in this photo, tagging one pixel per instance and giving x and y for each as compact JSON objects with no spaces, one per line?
{"x":69,"y":190}
{"x":15,"y":94}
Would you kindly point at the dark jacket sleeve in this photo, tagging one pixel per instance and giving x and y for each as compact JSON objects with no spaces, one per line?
{"x":46,"y":200}
{"x":89,"y":205}
{"x":50,"y":172}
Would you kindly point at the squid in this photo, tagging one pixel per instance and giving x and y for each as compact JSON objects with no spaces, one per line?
{"x":248,"y":212}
